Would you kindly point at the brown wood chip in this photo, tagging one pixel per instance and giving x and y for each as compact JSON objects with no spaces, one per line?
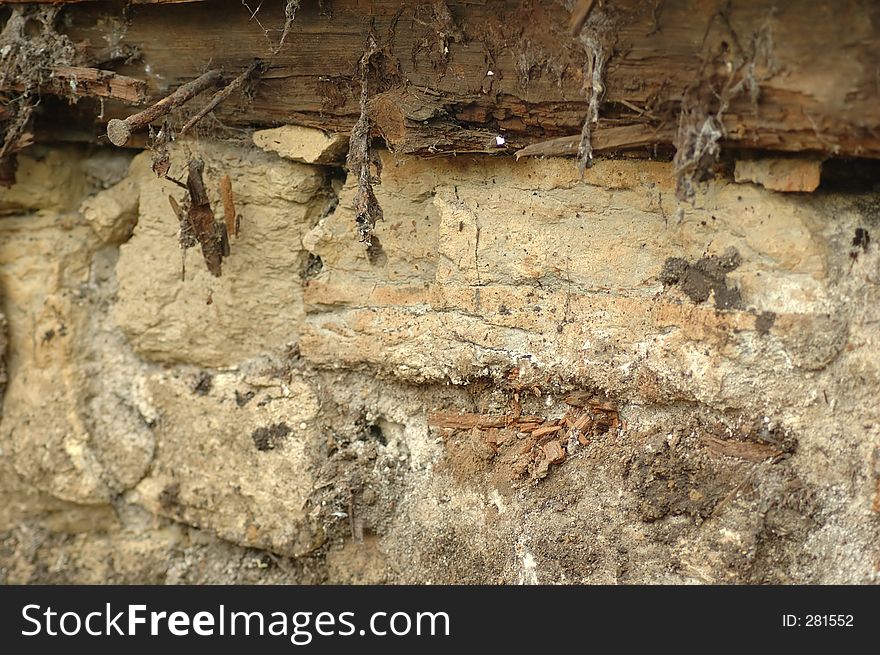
{"x":545,"y":430}
{"x":531,"y":418}
{"x":92,"y":82}
{"x":583,"y":422}
{"x":466,"y":421}
{"x":603,"y":405}
{"x":228,"y":205}
{"x":553,"y":452}
{"x":578,"y":399}
{"x":527,"y":446}
{"x":753,"y":452}
{"x":527,"y":427}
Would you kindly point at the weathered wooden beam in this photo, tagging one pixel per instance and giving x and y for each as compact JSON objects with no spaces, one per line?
{"x":800,"y":75}
{"x":71,"y":2}
{"x":607,"y":138}
{"x":80,"y":81}
{"x":580,"y":15}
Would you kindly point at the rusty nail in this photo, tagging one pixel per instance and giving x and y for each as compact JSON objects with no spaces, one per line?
{"x":119,"y":131}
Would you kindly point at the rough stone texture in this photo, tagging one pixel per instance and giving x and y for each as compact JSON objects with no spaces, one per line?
{"x":67,"y":427}
{"x":256,"y":305}
{"x":303,"y":144}
{"x":780,"y":174}
{"x":281,"y":432}
{"x":3,"y":344}
{"x":44,"y":182}
{"x":221,"y":479}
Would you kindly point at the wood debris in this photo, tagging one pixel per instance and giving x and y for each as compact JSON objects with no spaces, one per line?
{"x":806,"y":106}
{"x":230,"y":218}
{"x":82,"y":81}
{"x":466,"y":421}
{"x":197,"y":224}
{"x":546,"y":430}
{"x":530,"y":445}
{"x":748,"y":450}
{"x":554,"y":452}
{"x":603,"y":139}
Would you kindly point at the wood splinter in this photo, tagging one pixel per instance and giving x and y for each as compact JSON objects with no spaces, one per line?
{"x":230,"y":218}
{"x":119,"y":131}
{"x":197,"y":224}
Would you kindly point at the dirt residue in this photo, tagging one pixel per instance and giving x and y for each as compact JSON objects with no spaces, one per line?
{"x":359,"y":471}
{"x":203,"y":383}
{"x":270,"y":436}
{"x":764,"y":322}
{"x":170,"y":496}
{"x":704,"y":278}
{"x":670,"y":480}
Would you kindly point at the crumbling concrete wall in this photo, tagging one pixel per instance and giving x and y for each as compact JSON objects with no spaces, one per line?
{"x":279,"y":423}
